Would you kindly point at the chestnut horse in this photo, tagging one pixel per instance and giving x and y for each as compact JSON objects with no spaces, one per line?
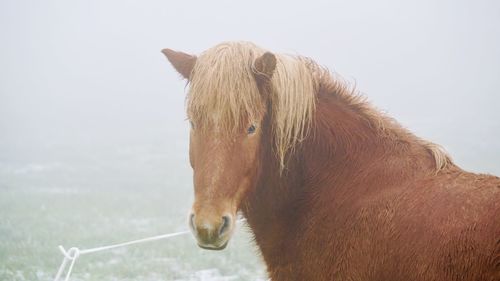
{"x":331,"y":188}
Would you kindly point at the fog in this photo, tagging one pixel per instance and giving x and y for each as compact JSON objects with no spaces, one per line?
{"x":88,"y":100}
{"x":91,"y":72}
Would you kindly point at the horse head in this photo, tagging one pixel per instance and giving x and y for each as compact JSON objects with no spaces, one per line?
{"x":227,"y":112}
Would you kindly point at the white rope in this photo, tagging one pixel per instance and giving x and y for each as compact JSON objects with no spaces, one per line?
{"x":74,"y":253}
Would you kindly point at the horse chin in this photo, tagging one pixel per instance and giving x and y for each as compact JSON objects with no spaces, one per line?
{"x":214,"y":248}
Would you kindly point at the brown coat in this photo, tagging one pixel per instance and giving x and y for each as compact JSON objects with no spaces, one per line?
{"x":358,"y":204}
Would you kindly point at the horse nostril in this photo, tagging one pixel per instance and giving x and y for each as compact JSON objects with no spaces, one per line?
{"x":226,"y":222}
{"x":191,"y":221}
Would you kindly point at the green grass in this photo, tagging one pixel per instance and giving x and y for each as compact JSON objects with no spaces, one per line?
{"x":76,"y":203}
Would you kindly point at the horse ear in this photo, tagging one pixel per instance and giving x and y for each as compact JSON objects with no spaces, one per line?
{"x":265,"y":65}
{"x":182,"y":62}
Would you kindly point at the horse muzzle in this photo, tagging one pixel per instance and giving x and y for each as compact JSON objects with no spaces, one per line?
{"x":211,"y":233}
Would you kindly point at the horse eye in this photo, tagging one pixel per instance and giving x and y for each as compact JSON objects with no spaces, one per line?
{"x":251,"y":129}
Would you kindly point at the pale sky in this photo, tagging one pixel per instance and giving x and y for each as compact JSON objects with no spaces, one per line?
{"x":91,"y":72}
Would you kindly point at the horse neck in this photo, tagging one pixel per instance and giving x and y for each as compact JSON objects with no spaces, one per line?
{"x":351,"y":141}
{"x":345,"y":150}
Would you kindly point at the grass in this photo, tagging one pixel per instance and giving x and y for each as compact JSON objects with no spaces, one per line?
{"x":102,"y":197}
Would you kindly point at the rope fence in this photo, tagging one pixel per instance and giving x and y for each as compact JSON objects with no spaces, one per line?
{"x":72,"y":254}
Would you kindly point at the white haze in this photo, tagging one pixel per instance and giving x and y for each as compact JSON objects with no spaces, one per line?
{"x":90,"y":72}
{"x":93,"y":137}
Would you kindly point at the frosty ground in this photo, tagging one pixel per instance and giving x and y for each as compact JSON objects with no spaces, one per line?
{"x":88,"y":197}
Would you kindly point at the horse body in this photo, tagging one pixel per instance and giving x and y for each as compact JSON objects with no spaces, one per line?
{"x":374,"y":215}
{"x":360,"y":197}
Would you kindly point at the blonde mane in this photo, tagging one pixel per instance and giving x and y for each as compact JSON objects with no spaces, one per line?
{"x":223,"y":94}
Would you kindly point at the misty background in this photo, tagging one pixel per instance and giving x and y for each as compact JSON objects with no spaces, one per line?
{"x":93,"y":137}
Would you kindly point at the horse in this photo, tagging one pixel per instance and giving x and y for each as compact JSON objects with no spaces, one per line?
{"x":331,"y":188}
